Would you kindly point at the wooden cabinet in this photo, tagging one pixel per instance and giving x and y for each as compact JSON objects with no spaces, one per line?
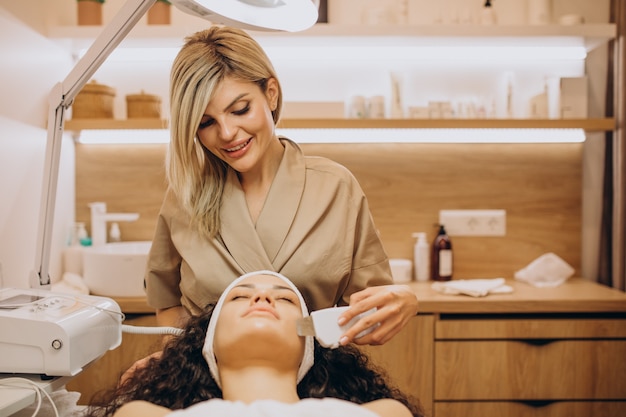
{"x":536,"y":352}
{"x":539,"y":409}
{"x":407,"y":359}
{"x":582,"y":360}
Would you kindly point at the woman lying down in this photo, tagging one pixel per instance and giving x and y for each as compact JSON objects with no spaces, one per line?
{"x":257,"y":366}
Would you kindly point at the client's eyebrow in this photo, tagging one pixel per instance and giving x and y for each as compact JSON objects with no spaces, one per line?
{"x":273,"y":287}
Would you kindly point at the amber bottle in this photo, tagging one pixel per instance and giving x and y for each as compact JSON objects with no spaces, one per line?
{"x":441,"y":262}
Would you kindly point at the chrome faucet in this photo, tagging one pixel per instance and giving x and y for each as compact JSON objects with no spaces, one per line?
{"x":99,"y":219}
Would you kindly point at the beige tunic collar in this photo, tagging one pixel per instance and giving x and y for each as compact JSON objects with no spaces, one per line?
{"x":255,"y":248}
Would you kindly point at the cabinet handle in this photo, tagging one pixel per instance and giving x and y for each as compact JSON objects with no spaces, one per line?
{"x":535,"y":403}
{"x":537,"y":342}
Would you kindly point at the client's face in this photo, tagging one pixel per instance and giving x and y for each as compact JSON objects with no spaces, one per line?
{"x":258,"y":322}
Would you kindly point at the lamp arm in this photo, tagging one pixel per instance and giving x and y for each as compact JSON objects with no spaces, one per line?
{"x":60,"y":98}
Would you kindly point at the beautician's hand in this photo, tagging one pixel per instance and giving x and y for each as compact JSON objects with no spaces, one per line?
{"x":396,"y":305}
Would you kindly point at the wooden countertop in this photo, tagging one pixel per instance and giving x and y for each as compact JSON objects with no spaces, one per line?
{"x":134,"y":305}
{"x":574,"y":296}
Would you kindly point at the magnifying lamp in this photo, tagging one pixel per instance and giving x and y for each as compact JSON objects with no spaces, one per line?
{"x":263,"y":15}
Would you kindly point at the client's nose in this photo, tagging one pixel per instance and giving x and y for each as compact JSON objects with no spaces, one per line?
{"x":263,"y":296}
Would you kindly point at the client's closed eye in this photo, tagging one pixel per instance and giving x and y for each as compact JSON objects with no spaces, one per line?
{"x":288,"y":299}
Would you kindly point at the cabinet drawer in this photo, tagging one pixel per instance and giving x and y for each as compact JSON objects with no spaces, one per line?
{"x":520,"y":370}
{"x":529,"y":327}
{"x":517,"y":409}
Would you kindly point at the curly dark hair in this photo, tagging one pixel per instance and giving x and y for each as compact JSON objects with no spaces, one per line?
{"x":180,"y":377}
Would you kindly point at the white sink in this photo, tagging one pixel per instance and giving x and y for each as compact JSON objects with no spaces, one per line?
{"x":116,"y":269}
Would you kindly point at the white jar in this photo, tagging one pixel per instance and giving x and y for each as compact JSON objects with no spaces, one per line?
{"x":358,"y":108}
{"x":376,"y":107}
{"x":539,"y":12}
{"x":401,"y":270}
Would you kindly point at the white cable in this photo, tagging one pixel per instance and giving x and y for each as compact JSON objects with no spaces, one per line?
{"x":27,"y":383}
{"x":126,"y":328}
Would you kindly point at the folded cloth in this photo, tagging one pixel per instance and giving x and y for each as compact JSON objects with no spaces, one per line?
{"x":473,"y":287}
{"x":548,"y":270}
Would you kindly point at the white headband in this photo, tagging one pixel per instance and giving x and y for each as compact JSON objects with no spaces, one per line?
{"x":207,"y":349}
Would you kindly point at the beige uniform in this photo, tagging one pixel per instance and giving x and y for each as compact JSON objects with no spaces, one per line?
{"x":315,"y":228}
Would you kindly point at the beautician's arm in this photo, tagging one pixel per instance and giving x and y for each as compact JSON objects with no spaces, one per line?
{"x":141,"y":409}
{"x":387,"y":408}
{"x":396,"y":305}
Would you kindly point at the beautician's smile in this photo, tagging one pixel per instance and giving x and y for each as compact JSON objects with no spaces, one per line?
{"x":239,"y":149}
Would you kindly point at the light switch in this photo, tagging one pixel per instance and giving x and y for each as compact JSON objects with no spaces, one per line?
{"x":474,"y":222}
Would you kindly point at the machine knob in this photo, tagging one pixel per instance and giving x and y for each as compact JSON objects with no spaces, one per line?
{"x":57,"y":344}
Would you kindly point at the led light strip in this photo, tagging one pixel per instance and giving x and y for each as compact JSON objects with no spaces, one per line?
{"x":155,"y":136}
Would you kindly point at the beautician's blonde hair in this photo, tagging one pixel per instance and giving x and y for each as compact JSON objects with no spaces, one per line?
{"x":194,"y":174}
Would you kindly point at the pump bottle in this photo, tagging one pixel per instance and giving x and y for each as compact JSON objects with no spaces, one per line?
{"x":442,"y":256}
{"x":488,"y":15}
{"x":421,"y":257}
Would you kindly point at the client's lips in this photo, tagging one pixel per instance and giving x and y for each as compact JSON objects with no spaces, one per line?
{"x":261,"y":309}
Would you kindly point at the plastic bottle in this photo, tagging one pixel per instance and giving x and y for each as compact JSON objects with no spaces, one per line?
{"x":421,"y":257}
{"x":81,"y":233}
{"x":114,"y":233}
{"x":442,"y":256}
{"x":488,"y":15}
{"x":73,"y":254}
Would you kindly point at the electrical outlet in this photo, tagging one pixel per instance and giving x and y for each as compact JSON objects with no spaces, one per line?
{"x":474,"y":222}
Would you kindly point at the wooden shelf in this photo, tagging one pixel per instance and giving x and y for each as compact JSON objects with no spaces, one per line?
{"x":114,"y":124}
{"x":586,"y":124}
{"x":589,"y":35}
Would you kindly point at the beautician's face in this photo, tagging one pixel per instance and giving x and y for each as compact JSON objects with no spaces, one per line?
{"x":262,"y":308}
{"x":237,"y":125}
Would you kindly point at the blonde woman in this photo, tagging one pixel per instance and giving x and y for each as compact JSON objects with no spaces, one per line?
{"x":242,"y":199}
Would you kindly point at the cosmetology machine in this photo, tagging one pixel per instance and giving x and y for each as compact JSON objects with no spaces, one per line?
{"x":42,"y":332}
{"x":53,"y":334}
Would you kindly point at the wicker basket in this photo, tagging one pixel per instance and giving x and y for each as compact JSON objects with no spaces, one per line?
{"x":159,"y":13}
{"x":143,"y":106}
{"x":89,"y":12}
{"x":95,"y":101}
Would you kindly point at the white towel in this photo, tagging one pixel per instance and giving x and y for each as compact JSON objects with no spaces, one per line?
{"x":473,"y":287}
{"x":65,"y":402}
{"x":310,"y":407}
{"x":547,"y":271}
